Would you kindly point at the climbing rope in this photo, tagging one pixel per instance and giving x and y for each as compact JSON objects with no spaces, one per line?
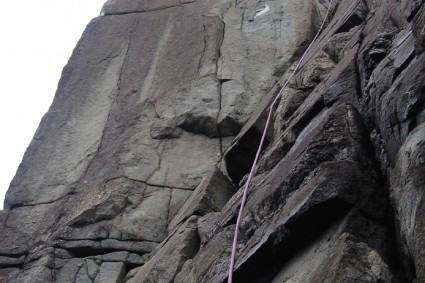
{"x":257,"y":155}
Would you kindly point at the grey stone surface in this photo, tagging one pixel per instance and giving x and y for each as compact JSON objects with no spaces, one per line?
{"x":111,"y":272}
{"x":8,"y":274}
{"x":210,"y":261}
{"x":207,"y":226}
{"x":167,"y":262}
{"x":71,"y":270}
{"x":364,"y":257}
{"x":70,"y":133}
{"x":323,"y":258}
{"x":407,"y":193}
{"x":158,"y":115}
{"x":39,"y":267}
{"x":210,"y":196}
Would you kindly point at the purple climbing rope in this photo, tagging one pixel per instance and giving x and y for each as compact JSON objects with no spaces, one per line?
{"x":257,"y":155}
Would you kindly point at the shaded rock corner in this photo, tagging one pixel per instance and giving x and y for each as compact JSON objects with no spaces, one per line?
{"x":136,"y":172}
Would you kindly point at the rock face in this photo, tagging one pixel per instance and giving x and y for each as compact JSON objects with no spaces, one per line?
{"x":133,"y":174}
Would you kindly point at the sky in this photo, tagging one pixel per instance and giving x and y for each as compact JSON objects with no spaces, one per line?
{"x":37,"y":40}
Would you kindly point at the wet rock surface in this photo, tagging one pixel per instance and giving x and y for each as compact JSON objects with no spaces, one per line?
{"x":136,"y":172}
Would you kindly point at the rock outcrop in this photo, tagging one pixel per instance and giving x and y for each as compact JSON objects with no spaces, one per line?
{"x":135,"y":172}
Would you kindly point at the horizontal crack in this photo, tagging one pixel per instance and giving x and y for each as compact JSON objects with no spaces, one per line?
{"x":100,"y":240}
{"x":12,"y":265}
{"x":13,"y":255}
{"x":42,"y":203}
{"x":84,"y":251}
{"x":152,"y":184}
{"x":145,"y":11}
{"x":73,"y":192}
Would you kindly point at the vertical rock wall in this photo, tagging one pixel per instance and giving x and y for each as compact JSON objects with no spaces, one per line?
{"x":134,"y":172}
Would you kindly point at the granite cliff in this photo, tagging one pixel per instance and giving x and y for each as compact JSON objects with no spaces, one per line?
{"x":135,"y":173}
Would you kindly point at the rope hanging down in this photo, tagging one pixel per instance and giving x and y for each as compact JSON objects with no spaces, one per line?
{"x":272,"y":105}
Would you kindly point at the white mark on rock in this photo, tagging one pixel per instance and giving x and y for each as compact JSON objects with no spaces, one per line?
{"x":150,"y":77}
{"x":262,"y":11}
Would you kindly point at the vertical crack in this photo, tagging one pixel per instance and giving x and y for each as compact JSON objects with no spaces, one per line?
{"x":149,"y":79}
{"x":74,"y":280}
{"x":6,"y":218}
{"x":275,"y":39}
{"x":86,"y":265}
{"x":54,"y":268}
{"x":159,"y":152}
{"x":169,"y":209}
{"x":114,"y":101}
{"x":92,"y":157}
{"x":220,"y":137}
{"x":220,"y":87}
{"x":201,"y":58}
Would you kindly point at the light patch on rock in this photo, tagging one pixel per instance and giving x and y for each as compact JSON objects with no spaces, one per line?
{"x":262,"y":11}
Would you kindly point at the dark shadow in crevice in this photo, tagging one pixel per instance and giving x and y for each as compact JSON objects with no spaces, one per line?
{"x":5,"y":265}
{"x":241,"y":156}
{"x":83,"y":252}
{"x":402,"y":268}
{"x":308,"y":116}
{"x":403,"y":66}
{"x":417,"y":111}
{"x":286,"y":241}
{"x":353,"y":21}
{"x":130,"y":266}
{"x":16,"y":262}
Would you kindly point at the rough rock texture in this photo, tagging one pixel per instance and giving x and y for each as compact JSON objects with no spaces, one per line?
{"x":133,"y":174}
{"x":408,"y":184}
